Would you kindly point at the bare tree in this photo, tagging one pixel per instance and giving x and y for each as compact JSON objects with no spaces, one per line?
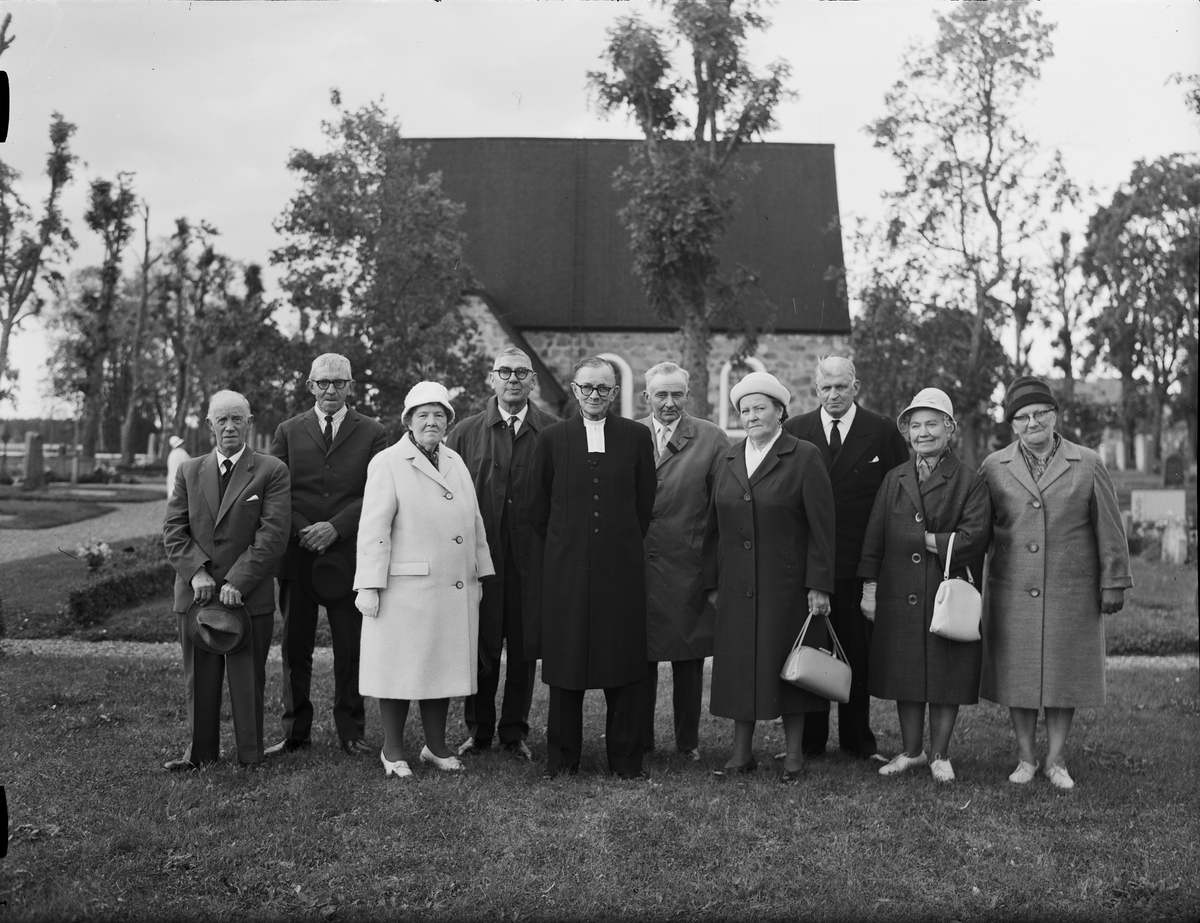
{"x":136,"y":363}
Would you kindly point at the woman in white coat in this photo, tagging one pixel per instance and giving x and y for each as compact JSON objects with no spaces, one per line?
{"x":422,"y":553}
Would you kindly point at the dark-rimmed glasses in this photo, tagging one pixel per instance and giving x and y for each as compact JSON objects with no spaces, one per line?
{"x":1021,"y":421}
{"x":506,"y":374}
{"x":588,"y":390}
{"x":326,"y":383}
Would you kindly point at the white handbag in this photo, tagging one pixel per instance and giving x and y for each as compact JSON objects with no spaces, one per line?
{"x":817,"y":670}
{"x":957,"y":607}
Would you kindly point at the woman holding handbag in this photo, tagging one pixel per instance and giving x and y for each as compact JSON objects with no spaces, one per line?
{"x":771,"y":537}
{"x":929,"y":510}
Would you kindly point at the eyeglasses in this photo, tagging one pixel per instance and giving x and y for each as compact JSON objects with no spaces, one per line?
{"x":326,"y":383}
{"x":1021,"y":421}
{"x":589,"y":390}
{"x":506,"y":374}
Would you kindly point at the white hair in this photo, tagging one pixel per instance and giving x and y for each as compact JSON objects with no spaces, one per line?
{"x":335,"y":362}
{"x":834,"y":367}
{"x":667,"y":368}
{"x":225,"y":395}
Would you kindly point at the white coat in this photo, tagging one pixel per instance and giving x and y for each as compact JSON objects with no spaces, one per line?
{"x":421,"y":543}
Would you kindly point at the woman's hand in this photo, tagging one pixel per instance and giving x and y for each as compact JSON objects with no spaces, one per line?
{"x":818,"y":602}
{"x":868,"y":600}
{"x":367,"y":602}
{"x":1112,"y":599}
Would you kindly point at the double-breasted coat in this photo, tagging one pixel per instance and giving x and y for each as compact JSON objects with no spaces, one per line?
{"x":1055,"y":544}
{"x":499,"y":466}
{"x":679,"y":617}
{"x":592,"y":510}
{"x":773,"y":535}
{"x":908,"y":664}
{"x":422,"y":544}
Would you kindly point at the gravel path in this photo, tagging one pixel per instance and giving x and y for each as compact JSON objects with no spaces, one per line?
{"x":128,"y":520}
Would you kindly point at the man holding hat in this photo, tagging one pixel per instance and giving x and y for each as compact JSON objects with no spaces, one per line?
{"x":326,"y":449}
{"x":225,"y":530}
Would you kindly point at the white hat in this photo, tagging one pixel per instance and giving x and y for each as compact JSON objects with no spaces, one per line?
{"x":175,"y":442}
{"x":927,"y":399}
{"x":759,"y":383}
{"x":427,"y":392}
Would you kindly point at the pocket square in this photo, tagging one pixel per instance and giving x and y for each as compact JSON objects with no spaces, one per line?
{"x":252,"y":499}
{"x":873,"y":460}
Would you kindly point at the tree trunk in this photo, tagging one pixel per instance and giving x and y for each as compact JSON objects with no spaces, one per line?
{"x":1128,"y":415}
{"x":697,"y":345}
{"x":135,"y":361}
{"x":6,"y":326}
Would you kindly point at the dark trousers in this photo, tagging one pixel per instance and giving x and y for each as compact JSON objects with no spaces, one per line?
{"x":688,"y":680}
{"x":622,"y":728}
{"x":204,"y":673}
{"x":479,"y":710}
{"x":854,"y":717}
{"x":299,"y":636}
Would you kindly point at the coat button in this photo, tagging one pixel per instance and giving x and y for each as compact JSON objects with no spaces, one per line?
{"x":595,"y":514}
{"x":326,"y":467}
{"x":1035,"y":592}
{"x":652,"y":556}
{"x":746,"y":497}
{"x":920,"y":517}
{"x":458,"y":585}
{"x":1033,"y":546}
{"x":597,"y":531}
{"x":327,"y":494}
{"x":449,"y":496}
{"x":749,"y":592}
{"x":916,"y":558}
{"x":595,"y":480}
{"x":458,"y":539}
{"x":1037,"y":504}
{"x":510,"y":499}
{"x":912,"y":600}
{"x":497,"y":464}
{"x":745,"y":545}
{"x":595,"y":496}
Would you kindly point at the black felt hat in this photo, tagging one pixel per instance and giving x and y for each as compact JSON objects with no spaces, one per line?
{"x":217,"y":628}
{"x":329,"y":579}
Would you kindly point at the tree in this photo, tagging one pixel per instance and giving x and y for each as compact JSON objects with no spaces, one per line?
{"x":1143,"y":253}
{"x":680,"y":203}
{"x":138,"y":338}
{"x":976,"y":189}
{"x":373,"y":263}
{"x":30,"y":252}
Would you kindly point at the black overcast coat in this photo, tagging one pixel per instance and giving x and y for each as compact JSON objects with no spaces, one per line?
{"x":593,"y":511}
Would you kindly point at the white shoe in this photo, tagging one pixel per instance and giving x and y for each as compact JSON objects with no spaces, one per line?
{"x":399,"y":768}
{"x":941,"y":769}
{"x":902,"y":762}
{"x":1024,"y":773}
{"x":1060,"y":778}
{"x":444,"y":763}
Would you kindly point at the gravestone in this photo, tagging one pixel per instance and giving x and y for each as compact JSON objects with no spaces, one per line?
{"x":1175,"y":543}
{"x":1158,"y":505}
{"x":34,"y":472}
{"x":1173,"y":470}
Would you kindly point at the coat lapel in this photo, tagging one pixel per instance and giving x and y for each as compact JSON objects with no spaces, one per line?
{"x":853,"y":447}
{"x":421,"y":463}
{"x":908,"y":483}
{"x":210,"y":483}
{"x":349,"y":423}
{"x":782,"y":446}
{"x":1059,"y":465}
{"x":1018,"y":469}
{"x":313,"y":427}
{"x":812,"y":431}
{"x":736,"y":458}
{"x":684,"y":431}
{"x":239,"y":478}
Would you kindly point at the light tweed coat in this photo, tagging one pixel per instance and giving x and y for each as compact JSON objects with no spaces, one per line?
{"x":1055,"y":544}
{"x":421,"y":542}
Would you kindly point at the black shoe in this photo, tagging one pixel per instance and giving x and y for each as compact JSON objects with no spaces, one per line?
{"x":248,"y":767}
{"x":550,"y":774}
{"x":520,"y":750}
{"x":791,"y":776}
{"x":357,"y":747}
{"x":287,"y":745}
{"x":180,"y":765}
{"x":729,"y":771}
{"x":640,"y":776}
{"x":472,"y":746}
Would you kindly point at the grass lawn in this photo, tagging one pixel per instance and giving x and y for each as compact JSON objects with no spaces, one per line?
{"x":99,"y":831}
{"x":59,"y":492}
{"x":42,"y":513}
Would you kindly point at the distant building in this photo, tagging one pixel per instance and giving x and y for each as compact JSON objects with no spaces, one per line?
{"x":554,"y":266}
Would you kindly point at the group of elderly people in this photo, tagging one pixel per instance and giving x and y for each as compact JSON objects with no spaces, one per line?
{"x":603,"y":546}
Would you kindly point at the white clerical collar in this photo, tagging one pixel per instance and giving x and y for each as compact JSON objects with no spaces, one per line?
{"x":595,"y":433}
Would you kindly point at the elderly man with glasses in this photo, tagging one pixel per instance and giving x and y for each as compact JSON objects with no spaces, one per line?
{"x":592,"y":489}
{"x":327,"y":449}
{"x":497,"y":445}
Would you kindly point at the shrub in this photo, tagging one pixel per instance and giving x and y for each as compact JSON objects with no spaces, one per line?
{"x":129,"y":576}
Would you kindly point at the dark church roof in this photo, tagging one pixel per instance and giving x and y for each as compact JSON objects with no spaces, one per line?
{"x":545,"y":243}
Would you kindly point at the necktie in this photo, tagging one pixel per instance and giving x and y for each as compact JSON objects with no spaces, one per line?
{"x":662,"y":442}
{"x":226,"y":470}
{"x":512,"y":427}
{"x":328,"y":431}
{"x":835,"y":439}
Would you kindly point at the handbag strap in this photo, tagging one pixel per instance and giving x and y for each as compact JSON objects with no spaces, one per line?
{"x":837,"y":645}
{"x":949,"y":555}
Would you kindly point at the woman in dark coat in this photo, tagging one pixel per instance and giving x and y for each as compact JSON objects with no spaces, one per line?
{"x":920,"y":505}
{"x":773,"y":530}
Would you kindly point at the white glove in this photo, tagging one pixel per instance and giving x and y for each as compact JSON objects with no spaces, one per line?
{"x":868,"y":600}
{"x":367,"y":602}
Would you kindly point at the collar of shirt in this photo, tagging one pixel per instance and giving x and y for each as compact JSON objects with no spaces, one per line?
{"x":595,"y":434}
{"x":221,"y":459}
{"x":664,"y":432}
{"x":520,"y":415}
{"x":1037,"y":466}
{"x":755,"y":456}
{"x":845,"y":421}
{"x":337,"y":419}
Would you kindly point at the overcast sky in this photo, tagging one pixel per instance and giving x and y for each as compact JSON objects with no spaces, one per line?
{"x":204,"y":101}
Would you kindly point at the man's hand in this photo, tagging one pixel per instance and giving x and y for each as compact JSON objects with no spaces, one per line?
{"x":203,"y":586}
{"x":367,"y":602}
{"x":230,"y":595}
{"x":818,"y":602}
{"x":712,"y":598}
{"x":318,"y":537}
{"x":1112,"y":600}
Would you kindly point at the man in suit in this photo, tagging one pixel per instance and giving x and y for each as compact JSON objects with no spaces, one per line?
{"x":326,"y":449}
{"x":497,"y":445}
{"x":859,"y":447}
{"x":592,"y":488}
{"x":679,"y":617}
{"x":225,"y":530}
